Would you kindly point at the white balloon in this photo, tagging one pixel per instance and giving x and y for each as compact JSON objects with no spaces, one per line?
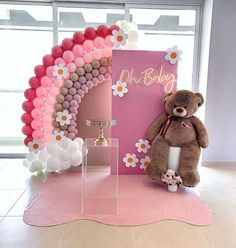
{"x":30,"y":156}
{"x":26,"y":163}
{"x":65,"y":143}
{"x":36,"y":165}
{"x":44,"y":156}
{"x":76,"y":158}
{"x":133,"y":26}
{"x":65,"y":165}
{"x":73,"y":146}
{"x":53,"y":148}
{"x":65,"y":155}
{"x":133,"y":36}
{"x":54,"y":164}
{"x":79,"y":141}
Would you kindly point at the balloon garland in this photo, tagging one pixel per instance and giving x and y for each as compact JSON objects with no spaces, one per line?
{"x":57,"y":89}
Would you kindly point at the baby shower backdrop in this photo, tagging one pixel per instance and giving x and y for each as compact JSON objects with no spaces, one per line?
{"x":138,"y":81}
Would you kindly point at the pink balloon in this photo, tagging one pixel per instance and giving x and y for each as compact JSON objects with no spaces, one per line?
{"x":50,"y":100}
{"x":81,"y":93}
{"x":48,"y":60}
{"x":108,"y":41}
{"x":48,"y":129}
{"x":71,"y":136}
{"x":46,"y":81}
{"x":48,"y":109}
{"x":36,"y":124}
{"x":99,"y":42}
{"x":84,"y":88}
{"x":41,"y":92}
{"x":89,"y":84}
{"x":53,"y":91}
{"x":49,"y":71}
{"x":58,"y":83}
{"x":38,"y":102}
{"x":68,"y":56}
{"x":38,"y":134}
{"x":107,"y":52}
{"x":107,"y":75}
{"x":88,"y":45}
{"x":88,"y":58}
{"x":79,"y":62}
{"x":71,"y":67}
{"x":78,"y":50}
{"x":97,"y":54}
{"x":47,"y":120}
{"x":37,"y":114}
{"x":109,"y":69}
{"x":95,"y":81}
{"x":60,"y":61}
{"x":100,"y":78}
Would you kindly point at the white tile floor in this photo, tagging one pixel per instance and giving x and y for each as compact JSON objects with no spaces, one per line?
{"x":17,"y":186}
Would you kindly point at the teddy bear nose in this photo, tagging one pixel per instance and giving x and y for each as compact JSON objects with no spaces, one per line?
{"x":179,"y":110}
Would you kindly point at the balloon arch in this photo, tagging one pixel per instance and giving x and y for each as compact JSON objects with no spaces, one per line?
{"x":57,"y":89}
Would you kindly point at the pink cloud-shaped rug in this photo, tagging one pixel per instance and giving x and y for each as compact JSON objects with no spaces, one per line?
{"x":141,"y":201}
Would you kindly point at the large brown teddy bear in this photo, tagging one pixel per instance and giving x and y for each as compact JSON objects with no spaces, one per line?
{"x":178,"y":128}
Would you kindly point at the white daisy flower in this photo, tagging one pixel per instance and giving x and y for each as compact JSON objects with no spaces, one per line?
{"x":119,"y":89}
{"x":130,"y":160}
{"x":58,"y":136}
{"x":63,"y":118}
{"x":145,"y":162}
{"x":119,"y":37}
{"x":173,"y":55}
{"x":143,"y":146}
{"x":35,"y":146}
{"x":60,"y":71}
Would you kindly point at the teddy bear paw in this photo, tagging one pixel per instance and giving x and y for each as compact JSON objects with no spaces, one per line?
{"x":190,"y":179}
{"x":153,"y":172}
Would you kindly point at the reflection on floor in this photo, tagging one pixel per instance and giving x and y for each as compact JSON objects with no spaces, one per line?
{"x":17,"y":186}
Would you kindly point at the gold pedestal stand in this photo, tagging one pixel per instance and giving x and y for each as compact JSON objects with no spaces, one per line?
{"x":101,"y":140}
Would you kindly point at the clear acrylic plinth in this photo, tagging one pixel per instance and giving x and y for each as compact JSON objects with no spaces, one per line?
{"x":100,"y":177}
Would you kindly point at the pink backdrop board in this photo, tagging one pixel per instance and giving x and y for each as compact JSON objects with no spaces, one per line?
{"x":149,"y":77}
{"x":141,"y":201}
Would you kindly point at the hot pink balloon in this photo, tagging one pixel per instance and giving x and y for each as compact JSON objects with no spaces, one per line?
{"x":38,"y":134}
{"x":79,"y":62}
{"x":99,"y":42}
{"x":97,"y":54}
{"x":88,"y":58}
{"x":38,"y":102}
{"x":41,"y":92}
{"x":46,"y":81}
{"x":68,"y":56}
{"x":78,"y":50}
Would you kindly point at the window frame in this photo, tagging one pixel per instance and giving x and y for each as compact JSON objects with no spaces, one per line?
{"x":178,"y":5}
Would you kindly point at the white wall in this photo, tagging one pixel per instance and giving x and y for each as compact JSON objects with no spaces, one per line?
{"x":221,"y":84}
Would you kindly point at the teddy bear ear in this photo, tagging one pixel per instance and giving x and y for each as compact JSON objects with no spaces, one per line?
{"x":166,"y":96}
{"x":199,"y":99}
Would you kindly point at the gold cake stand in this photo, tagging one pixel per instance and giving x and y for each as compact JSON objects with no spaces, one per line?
{"x":101,"y":140}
